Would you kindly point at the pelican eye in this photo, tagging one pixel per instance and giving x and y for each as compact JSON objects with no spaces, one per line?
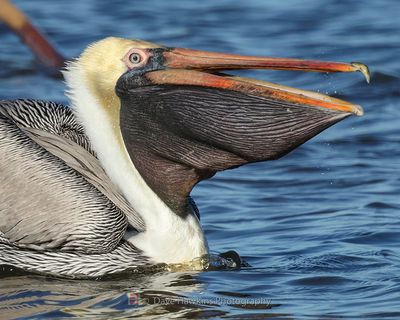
{"x":135,"y":58}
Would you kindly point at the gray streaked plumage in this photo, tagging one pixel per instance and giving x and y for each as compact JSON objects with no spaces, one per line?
{"x":59,"y":212}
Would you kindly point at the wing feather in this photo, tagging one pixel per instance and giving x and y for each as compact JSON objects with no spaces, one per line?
{"x":54,"y":192}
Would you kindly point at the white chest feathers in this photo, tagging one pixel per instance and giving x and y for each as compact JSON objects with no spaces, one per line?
{"x":171,"y":239}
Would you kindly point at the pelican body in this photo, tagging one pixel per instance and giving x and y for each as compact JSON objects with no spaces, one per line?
{"x":103,"y":186}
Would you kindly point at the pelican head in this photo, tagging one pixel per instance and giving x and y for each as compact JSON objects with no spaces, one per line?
{"x":181,"y":120}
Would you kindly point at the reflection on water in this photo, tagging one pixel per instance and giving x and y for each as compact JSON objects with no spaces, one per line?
{"x":319,"y":228}
{"x":142,"y":295}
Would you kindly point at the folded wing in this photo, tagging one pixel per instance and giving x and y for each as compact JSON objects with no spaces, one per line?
{"x":54,"y":192}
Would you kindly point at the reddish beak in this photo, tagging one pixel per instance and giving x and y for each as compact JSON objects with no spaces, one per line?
{"x":194,"y":67}
{"x":179,"y":58}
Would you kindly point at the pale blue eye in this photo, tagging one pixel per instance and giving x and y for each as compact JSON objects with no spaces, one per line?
{"x":135,"y":58}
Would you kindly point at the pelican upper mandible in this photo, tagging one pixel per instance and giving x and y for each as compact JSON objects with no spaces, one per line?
{"x":104,"y":186}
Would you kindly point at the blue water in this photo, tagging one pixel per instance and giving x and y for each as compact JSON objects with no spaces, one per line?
{"x":319,"y":227}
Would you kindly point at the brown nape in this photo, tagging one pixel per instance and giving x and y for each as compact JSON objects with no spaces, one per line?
{"x":177,"y":136}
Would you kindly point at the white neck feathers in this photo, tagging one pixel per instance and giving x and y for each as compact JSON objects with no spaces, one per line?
{"x":168,"y":238}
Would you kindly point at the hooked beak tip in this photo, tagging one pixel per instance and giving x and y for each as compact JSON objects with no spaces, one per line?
{"x":358,"y":66}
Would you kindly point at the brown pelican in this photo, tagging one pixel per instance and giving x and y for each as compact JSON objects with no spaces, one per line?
{"x":104,"y":186}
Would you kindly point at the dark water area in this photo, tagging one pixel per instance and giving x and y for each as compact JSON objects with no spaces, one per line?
{"x":319,"y":227}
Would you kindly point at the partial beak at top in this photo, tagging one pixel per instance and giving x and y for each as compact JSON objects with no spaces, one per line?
{"x":194,"y":67}
{"x":203,"y":60}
